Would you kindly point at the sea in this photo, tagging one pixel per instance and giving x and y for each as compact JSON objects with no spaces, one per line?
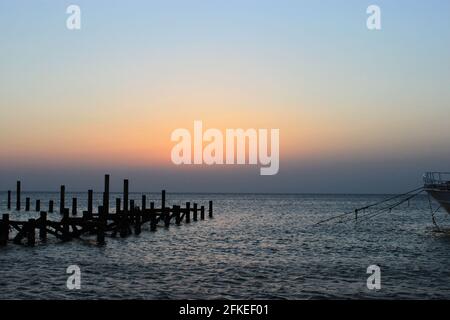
{"x":256,"y":246}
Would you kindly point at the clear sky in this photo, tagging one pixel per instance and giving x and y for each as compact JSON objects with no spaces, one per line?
{"x":358,"y":110}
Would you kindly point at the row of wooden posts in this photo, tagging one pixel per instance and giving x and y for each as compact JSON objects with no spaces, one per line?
{"x":126,"y":217}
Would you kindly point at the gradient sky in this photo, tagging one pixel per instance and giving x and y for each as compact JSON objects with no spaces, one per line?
{"x":358,"y":110}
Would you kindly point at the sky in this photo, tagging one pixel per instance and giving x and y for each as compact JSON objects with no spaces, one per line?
{"x":359,"y":111}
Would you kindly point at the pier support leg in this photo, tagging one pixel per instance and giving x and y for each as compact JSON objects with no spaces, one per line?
{"x":18,"y":196}
{"x":62,"y":197}
{"x":210,"y":211}
{"x":4,"y":230}
{"x":43,"y":226}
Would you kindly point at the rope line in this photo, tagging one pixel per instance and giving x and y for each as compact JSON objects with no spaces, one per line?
{"x":416,"y":192}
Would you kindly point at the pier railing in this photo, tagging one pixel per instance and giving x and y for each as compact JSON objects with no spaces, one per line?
{"x":436,"y":178}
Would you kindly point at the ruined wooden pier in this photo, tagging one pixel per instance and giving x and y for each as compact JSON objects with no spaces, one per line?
{"x":126,"y":220}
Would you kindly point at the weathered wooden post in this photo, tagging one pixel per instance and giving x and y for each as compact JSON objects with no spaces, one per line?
{"x":65,"y":225}
{"x":125,"y":195}
{"x":18,"y":196}
{"x":167,"y":218}
{"x":153,"y":222}
{"x":137,"y":221}
{"x":210,"y":211}
{"x":38,"y":205}
{"x":9,"y":199}
{"x":62,"y":197}
{"x":106,"y":195}
{"x":117,"y":205}
{"x":195,"y":212}
{"x":132,"y":210}
{"x":27,"y":204}
{"x":74,"y":206}
{"x":43,"y":226}
{"x":50,"y":206}
{"x":188,"y":212}
{"x":176,"y":212}
{"x":31,"y":233}
{"x":4,"y":229}
{"x":202,"y":213}
{"x":144,"y":202}
{"x":163,"y":200}
{"x":90,"y":199}
{"x":101,"y":226}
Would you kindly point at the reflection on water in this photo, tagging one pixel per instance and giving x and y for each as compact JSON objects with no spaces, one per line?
{"x":256,"y":246}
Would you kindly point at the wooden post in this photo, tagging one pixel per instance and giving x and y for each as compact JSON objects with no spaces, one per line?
{"x":163,"y":200}
{"x":202,"y":213}
{"x":38,"y":205}
{"x":101,"y":226}
{"x":27,"y":204}
{"x":65,"y":225}
{"x":117,"y":205}
{"x":50,"y":206}
{"x":144,"y":202}
{"x":9,"y":199}
{"x":153,"y":221}
{"x":62,"y":197}
{"x":137,"y":222}
{"x":176,"y":211}
{"x":188,"y":212}
{"x":167,"y":218}
{"x":4,"y":230}
{"x":31,"y":233}
{"x":74,"y":206}
{"x":90,"y":199}
{"x":125,"y":195}
{"x":106,"y":195}
{"x":43,"y":226}
{"x":195,"y":212}
{"x":210,"y":211}
{"x":18,"y":196}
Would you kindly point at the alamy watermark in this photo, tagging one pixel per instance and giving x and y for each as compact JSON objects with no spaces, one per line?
{"x":236,"y":146}
{"x":74,"y":280}
{"x":374,"y":20}
{"x":374,"y":280}
{"x":73,"y":22}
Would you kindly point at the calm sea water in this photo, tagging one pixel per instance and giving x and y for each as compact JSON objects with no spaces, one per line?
{"x":256,"y":246}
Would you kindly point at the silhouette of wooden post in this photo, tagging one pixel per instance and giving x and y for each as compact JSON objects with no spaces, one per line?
{"x":137,"y":221}
{"x":74,"y":206}
{"x":31,"y":233}
{"x":38,"y":205}
{"x":4,"y":230}
{"x":195,"y":212}
{"x":202,"y":213}
{"x":90,"y":199}
{"x":117,"y":205}
{"x":144,"y":202}
{"x":18,"y":196}
{"x":27,"y":204}
{"x":101,"y":226}
{"x":43,"y":226}
{"x":163,"y":201}
{"x":65,"y":225}
{"x":125,"y":195}
{"x":62,"y":197}
{"x":188,"y":212}
{"x":210,"y":211}
{"x":50,"y":206}
{"x":167,"y":219}
{"x":9,"y":199}
{"x":106,"y":195}
{"x":176,"y":212}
